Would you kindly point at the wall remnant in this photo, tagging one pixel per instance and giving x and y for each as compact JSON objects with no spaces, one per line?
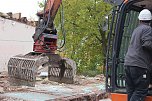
{"x":17,"y":17}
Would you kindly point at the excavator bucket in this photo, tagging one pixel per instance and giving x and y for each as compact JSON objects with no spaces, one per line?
{"x":61,"y":70}
{"x":23,"y":69}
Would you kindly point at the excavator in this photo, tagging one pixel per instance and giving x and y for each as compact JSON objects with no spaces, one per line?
{"x":24,"y":69}
{"x":122,"y":20}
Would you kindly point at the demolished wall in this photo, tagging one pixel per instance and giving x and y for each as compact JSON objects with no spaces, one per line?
{"x":16,"y":38}
{"x":17,"y":17}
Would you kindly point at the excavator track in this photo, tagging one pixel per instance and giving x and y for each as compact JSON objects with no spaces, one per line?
{"x":23,"y":69}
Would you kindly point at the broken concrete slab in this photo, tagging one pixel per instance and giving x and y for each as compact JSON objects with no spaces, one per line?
{"x":57,"y":92}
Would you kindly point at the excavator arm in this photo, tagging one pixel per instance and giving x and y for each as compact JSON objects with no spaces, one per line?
{"x":45,"y":36}
{"x":23,"y":69}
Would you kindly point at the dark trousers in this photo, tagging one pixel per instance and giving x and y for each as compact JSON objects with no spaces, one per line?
{"x":137,"y":82}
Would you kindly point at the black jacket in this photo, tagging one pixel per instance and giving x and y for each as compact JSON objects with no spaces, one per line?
{"x":140,"y":48}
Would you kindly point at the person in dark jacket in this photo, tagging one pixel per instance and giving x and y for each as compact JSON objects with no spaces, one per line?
{"x":139,"y":58}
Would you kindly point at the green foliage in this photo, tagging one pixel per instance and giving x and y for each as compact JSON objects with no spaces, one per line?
{"x":41,"y":4}
{"x":81,"y":20}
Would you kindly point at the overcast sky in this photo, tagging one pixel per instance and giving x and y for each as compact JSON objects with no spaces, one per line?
{"x":28,"y":8}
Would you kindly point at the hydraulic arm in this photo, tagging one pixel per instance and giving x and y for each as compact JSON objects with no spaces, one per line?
{"x":23,"y":69}
{"x":45,"y":37}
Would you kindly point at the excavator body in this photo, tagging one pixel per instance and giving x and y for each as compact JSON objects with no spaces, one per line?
{"x":123,"y":20}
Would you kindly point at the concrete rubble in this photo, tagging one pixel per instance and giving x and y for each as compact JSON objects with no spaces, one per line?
{"x":84,"y":89}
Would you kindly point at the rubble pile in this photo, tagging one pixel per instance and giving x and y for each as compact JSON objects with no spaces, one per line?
{"x":83,"y":88}
{"x":79,"y":81}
